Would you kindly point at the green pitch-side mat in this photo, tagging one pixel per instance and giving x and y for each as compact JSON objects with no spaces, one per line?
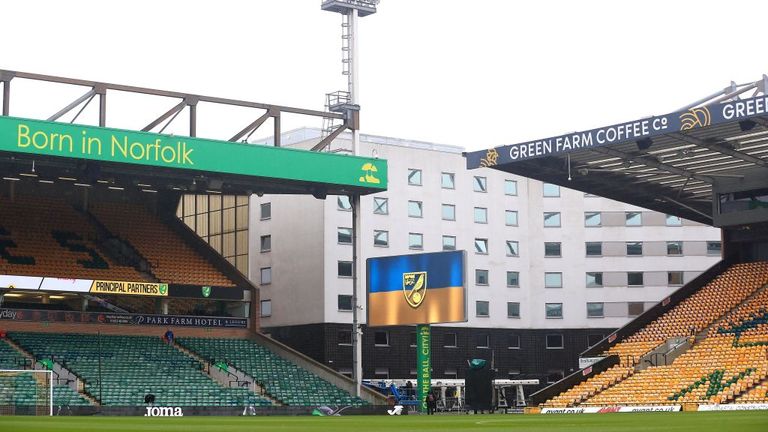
{"x":744,"y":421}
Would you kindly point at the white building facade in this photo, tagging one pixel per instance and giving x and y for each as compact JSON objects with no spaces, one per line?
{"x":550,"y":270}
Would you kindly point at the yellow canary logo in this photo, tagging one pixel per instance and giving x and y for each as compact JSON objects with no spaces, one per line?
{"x":370,"y":176}
{"x":695,"y":117}
{"x":490,"y":158}
{"x":415,"y":288}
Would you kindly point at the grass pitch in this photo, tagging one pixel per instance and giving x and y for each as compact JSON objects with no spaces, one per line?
{"x":745,"y":421}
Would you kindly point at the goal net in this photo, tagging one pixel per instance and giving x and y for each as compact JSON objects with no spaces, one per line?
{"x":26,"y":392}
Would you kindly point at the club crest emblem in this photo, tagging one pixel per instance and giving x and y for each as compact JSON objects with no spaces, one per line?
{"x":415,"y":287}
{"x":206,"y":291}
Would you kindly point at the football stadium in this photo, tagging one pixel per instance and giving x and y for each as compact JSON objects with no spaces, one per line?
{"x":137,"y":289}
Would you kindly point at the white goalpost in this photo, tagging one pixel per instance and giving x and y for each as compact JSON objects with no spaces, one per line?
{"x":26,"y":392}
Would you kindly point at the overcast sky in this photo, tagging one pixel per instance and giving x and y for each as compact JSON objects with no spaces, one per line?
{"x":476,"y":73}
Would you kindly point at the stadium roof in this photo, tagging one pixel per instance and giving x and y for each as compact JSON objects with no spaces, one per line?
{"x":666,"y":163}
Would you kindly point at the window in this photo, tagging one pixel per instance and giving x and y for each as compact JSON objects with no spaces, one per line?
{"x":510,"y":217}
{"x":595,"y":310}
{"x":553,"y":280}
{"x":554,"y":376}
{"x":266,"y":243}
{"x":345,"y":268}
{"x":380,"y":205}
{"x":674,"y":220}
{"x":553,"y":310}
{"x":714,"y":248}
{"x":674,"y":248}
{"x":344,"y":235}
{"x":412,"y":339}
{"x":554,"y":341}
{"x":451,"y":373}
{"x":449,"y":243}
{"x":551,"y":219}
{"x":634,"y":248}
{"x":551,"y":249}
{"x":481,"y":246}
{"x":481,"y":308}
{"x":635,"y":308}
{"x":381,"y":238}
{"x":513,"y":342}
{"x":635,"y":278}
{"x":415,"y":241}
{"x":414,"y":177}
{"x":594,"y":248}
{"x":594,"y":279}
{"x":381,"y":338}
{"x":448,"y":180}
{"x":513,"y":248}
{"x":481,"y":277}
{"x":266,"y":308}
{"x":481,"y":215}
{"x":381,"y":373}
{"x":483,"y":340}
{"x":513,"y":311}
{"x":266,"y":211}
{"x":510,"y":187}
{"x":550,"y":190}
{"x":343,"y":203}
{"x":593,"y":219}
{"x":414,"y":209}
{"x":593,"y":339}
{"x":449,"y":340}
{"x":344,"y":337}
{"x":265,"y":275}
{"x":513,"y":373}
{"x":344,"y":302}
{"x":633,"y":219}
{"x":480,"y":184}
{"x":675,"y":278}
{"x":513,"y":279}
{"x":449,"y":212}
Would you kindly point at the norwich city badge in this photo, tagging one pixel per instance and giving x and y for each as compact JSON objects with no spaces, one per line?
{"x":415,"y":287}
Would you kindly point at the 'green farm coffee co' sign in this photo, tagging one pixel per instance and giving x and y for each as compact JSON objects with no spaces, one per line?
{"x":142,"y":148}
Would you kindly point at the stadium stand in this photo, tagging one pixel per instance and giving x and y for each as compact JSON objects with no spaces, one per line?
{"x":281,"y":379}
{"x":728,"y":362}
{"x":47,"y":237}
{"x":132,"y":367}
{"x":171,"y":258}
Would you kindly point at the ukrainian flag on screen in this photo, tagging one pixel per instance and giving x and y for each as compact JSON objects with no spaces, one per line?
{"x":416,"y":289}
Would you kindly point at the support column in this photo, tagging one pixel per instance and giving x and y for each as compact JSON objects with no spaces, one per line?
{"x":357,"y":367}
{"x":423,"y":364}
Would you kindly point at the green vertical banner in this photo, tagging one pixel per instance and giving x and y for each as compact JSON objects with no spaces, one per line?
{"x":424,"y":364}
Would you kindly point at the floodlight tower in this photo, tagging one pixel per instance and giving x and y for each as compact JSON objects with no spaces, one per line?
{"x":349,"y":105}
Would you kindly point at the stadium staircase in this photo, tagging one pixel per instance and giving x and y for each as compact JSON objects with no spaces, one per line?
{"x":281,"y":379}
{"x":710,"y":347}
{"x":12,"y":357}
{"x":227,"y":375}
{"x":172,"y":259}
{"x":120,"y":249}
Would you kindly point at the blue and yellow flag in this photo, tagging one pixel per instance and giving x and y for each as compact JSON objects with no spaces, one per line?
{"x":416,"y":289}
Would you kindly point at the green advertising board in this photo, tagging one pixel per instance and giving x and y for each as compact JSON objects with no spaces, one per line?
{"x":46,"y":138}
{"x":424,"y":364}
